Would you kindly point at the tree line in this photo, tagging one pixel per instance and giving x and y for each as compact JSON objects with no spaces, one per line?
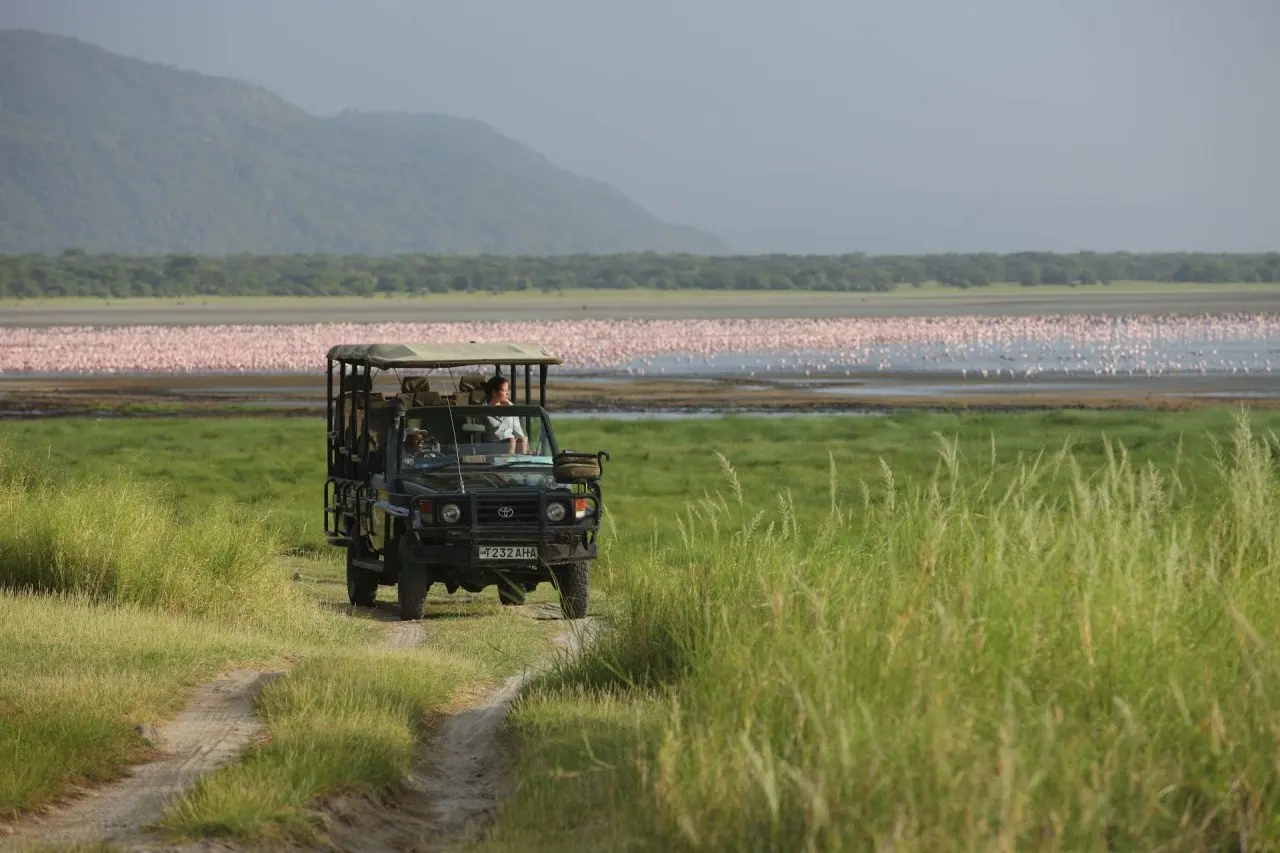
{"x":76,"y":273}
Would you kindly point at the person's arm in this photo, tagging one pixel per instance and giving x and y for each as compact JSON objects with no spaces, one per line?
{"x":499,"y":429}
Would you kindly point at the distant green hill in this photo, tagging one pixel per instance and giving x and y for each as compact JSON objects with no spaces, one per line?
{"x":108,"y":154}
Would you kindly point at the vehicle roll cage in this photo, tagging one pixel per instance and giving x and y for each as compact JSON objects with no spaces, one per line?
{"x":348,"y":427}
{"x":349,"y":380}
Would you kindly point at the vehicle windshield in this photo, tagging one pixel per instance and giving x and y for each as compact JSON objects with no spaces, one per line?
{"x":472,"y":438}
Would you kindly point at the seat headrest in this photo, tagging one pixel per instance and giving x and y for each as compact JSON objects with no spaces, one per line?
{"x":412,"y":399}
{"x":410,"y":384}
{"x":472,"y":385}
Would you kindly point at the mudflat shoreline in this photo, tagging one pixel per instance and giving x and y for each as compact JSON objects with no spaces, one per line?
{"x":156,"y":395}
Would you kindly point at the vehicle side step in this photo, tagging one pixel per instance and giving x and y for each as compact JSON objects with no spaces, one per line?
{"x":370,"y":565}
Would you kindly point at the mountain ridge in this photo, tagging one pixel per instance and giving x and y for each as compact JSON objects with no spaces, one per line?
{"x":106,"y":153}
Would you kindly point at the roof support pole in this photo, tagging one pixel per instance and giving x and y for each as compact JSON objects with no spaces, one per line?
{"x":329,"y":419}
{"x":364,"y":421}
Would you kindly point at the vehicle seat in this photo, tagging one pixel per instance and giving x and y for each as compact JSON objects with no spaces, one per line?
{"x":415,"y":383}
{"x":377,"y":405}
{"x":471,"y":387}
{"x":416,"y":391}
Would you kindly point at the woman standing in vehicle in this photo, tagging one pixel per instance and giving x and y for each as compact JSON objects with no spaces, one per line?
{"x":497,"y":392}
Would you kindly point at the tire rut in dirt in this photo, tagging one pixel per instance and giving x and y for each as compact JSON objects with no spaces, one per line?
{"x":210,"y":732}
{"x":455,"y":786}
{"x":405,"y":635}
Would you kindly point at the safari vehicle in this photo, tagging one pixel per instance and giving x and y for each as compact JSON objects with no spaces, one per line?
{"x":420,"y":489}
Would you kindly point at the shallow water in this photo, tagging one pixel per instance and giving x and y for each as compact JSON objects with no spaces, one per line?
{"x":1175,"y":356}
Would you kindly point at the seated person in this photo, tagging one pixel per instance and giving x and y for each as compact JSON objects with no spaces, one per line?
{"x":418,"y":447}
{"x":497,"y":392}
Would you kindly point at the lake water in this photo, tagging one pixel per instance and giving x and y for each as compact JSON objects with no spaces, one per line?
{"x":1018,"y":358}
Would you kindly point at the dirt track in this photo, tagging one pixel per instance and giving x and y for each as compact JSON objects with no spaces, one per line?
{"x":455,"y":786}
{"x":452,"y":791}
{"x":215,"y":727}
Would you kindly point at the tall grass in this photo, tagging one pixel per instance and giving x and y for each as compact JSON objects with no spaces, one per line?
{"x":1077,"y":659}
{"x":117,"y":538}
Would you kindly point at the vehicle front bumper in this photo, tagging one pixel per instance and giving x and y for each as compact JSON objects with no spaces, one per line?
{"x":464,"y":549}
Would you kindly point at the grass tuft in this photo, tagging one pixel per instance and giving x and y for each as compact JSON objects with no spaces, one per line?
{"x":124,"y":540}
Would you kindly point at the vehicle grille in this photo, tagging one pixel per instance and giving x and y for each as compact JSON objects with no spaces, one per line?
{"x":524,"y":511}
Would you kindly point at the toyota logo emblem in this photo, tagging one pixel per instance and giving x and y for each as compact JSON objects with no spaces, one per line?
{"x":505,"y":512}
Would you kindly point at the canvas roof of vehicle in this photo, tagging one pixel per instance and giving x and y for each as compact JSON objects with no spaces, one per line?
{"x":385,"y":356}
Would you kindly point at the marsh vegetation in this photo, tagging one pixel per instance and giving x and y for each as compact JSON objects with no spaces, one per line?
{"x":1048,"y":630}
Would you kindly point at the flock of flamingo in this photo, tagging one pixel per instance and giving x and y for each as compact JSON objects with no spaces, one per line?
{"x":1079,"y":344}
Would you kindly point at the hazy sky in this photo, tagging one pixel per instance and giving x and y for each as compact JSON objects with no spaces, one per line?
{"x":832,"y":126}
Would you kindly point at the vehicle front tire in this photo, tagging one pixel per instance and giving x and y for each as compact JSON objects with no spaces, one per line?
{"x":510,"y":594}
{"x":574,"y":580}
{"x":362,"y":584}
{"x":412,"y":591}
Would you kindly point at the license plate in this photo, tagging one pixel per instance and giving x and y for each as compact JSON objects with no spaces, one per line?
{"x":508,"y":552}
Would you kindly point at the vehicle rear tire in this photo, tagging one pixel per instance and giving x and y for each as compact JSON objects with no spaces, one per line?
{"x":362,"y":584}
{"x":510,"y":594}
{"x":412,"y":591}
{"x":574,"y":580}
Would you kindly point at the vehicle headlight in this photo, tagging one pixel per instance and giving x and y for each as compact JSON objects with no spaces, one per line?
{"x":555,"y":512}
{"x":449,"y":513}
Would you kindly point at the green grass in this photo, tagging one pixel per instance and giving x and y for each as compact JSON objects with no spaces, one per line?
{"x":1023,"y":648}
{"x":76,"y":677}
{"x":126,"y":541}
{"x":274,"y":467}
{"x":349,"y":720}
{"x":117,"y":601}
{"x":1077,"y":649}
{"x":271,"y":468}
{"x":119,"y":595}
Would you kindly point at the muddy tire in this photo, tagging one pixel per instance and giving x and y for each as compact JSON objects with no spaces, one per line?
{"x":362,"y":584}
{"x":510,"y":594}
{"x":411,"y":590}
{"x":574,"y":580}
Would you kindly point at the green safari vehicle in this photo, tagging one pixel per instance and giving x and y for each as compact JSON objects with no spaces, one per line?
{"x":437,"y":475}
